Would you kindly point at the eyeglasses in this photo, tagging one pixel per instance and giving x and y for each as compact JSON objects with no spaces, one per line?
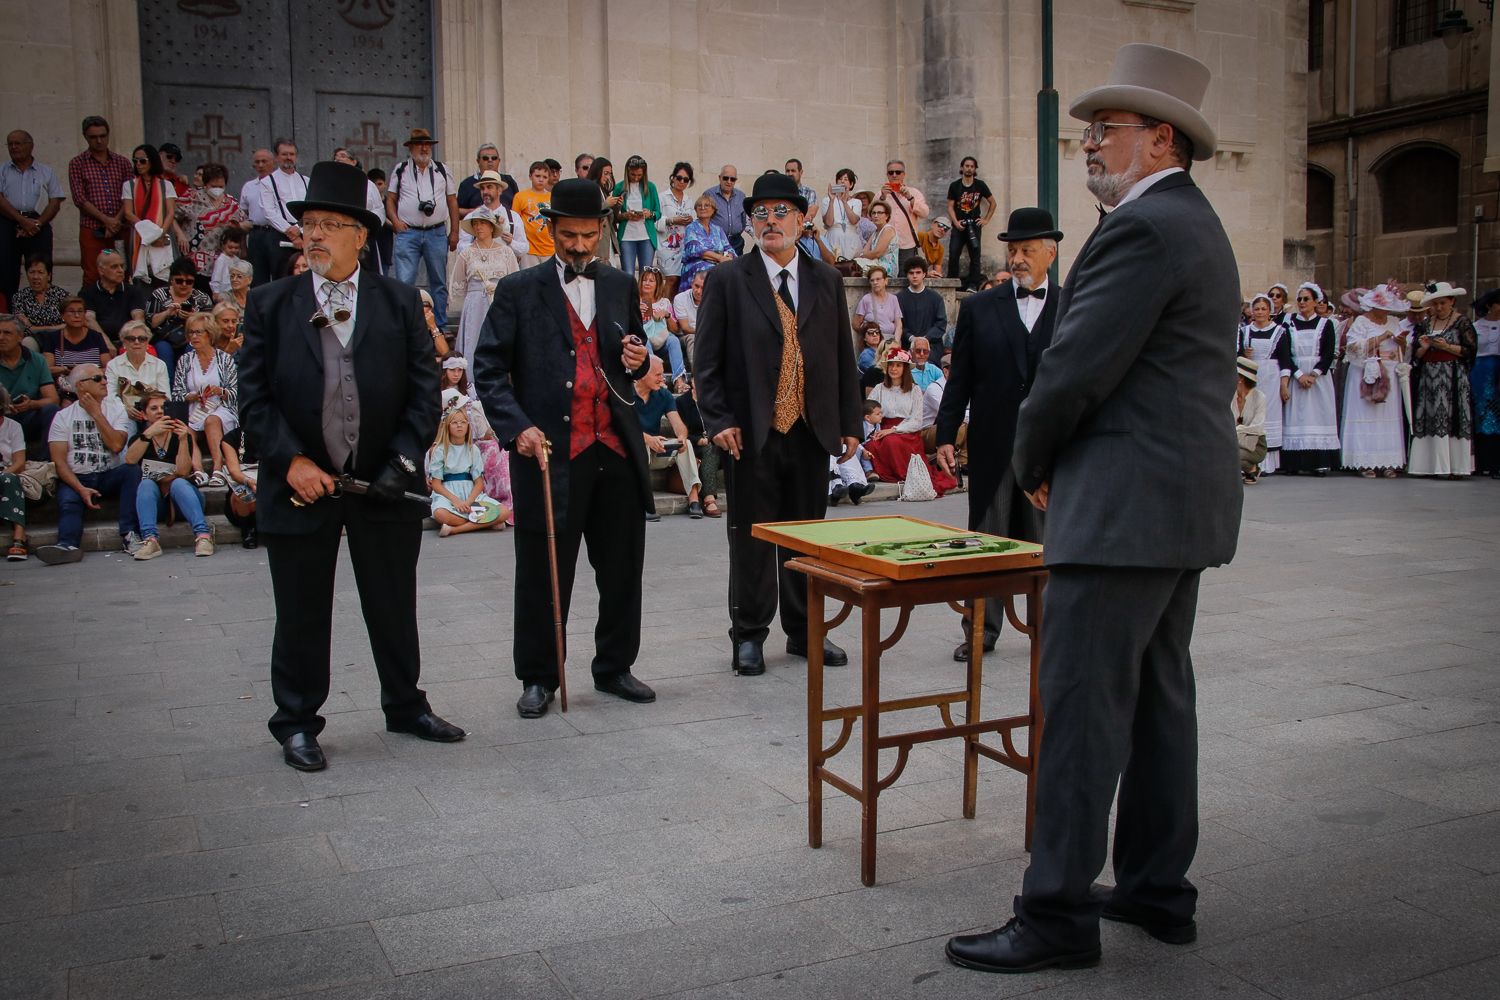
{"x":1094,"y":134}
{"x":1305,"y":298}
{"x":136,"y":340}
{"x":142,"y":159}
{"x":489,"y":156}
{"x":684,"y":179}
{"x":313,"y":226}
{"x":726,"y":177}
{"x":762,"y":213}
{"x":90,"y":378}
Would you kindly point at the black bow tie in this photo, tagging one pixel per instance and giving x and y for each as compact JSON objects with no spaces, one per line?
{"x":1022,"y":292}
{"x":588,"y":271}
{"x":1102,"y":211}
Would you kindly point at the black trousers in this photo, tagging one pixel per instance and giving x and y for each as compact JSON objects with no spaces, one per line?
{"x":1010,"y":515}
{"x":958,"y":243}
{"x":14,"y":250}
{"x":384,"y":554}
{"x":787,"y":480}
{"x":604,"y":513}
{"x":1119,"y":701}
{"x":266,"y":254}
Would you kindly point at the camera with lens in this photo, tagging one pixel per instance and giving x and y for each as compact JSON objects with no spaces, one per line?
{"x":426,"y":206}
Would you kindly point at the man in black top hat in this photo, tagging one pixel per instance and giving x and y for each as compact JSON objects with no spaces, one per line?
{"x":560,"y":347}
{"x":1000,"y":337}
{"x":337,"y":379}
{"x":779,"y":391}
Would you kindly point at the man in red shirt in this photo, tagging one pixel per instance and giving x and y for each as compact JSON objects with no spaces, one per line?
{"x":554,"y":364}
{"x":96,"y":177}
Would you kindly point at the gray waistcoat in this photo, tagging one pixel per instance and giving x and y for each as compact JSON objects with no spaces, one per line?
{"x":340,"y":401}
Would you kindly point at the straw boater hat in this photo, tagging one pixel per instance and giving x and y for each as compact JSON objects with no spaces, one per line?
{"x":492,"y":177}
{"x":1157,"y":83}
{"x":1248,"y":369}
{"x":1441,"y":290}
{"x":419,"y":135}
{"x":1384,"y":299}
{"x":480,"y":214}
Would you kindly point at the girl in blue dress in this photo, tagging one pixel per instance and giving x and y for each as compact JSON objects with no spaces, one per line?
{"x":455,"y":474}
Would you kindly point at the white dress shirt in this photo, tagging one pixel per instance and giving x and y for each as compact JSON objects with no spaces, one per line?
{"x":773,"y":271}
{"x":1140,"y":186}
{"x":277,"y":190}
{"x":250,"y":202}
{"x":1030,"y":307}
{"x":345,"y":330}
{"x":580,"y":292}
{"x":418,"y":185}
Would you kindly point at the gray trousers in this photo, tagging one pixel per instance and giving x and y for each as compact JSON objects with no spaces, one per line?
{"x":1119,"y":701}
{"x":1011,"y":516}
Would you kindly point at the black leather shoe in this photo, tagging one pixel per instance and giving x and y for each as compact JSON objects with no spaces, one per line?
{"x":1014,"y":948}
{"x":695,"y":510}
{"x":428,"y":727}
{"x":749,"y":660}
{"x":625,"y":686}
{"x":858,"y":491}
{"x":833,"y":656}
{"x":301,"y":750}
{"x":652,"y":516}
{"x":837,"y":493}
{"x":533,"y":702}
{"x":1167,"y":931}
{"x":961,"y":651}
{"x":250,"y":540}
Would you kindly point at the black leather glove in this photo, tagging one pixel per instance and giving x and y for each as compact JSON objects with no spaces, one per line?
{"x":390,"y":486}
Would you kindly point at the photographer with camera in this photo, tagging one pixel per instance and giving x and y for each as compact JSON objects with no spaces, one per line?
{"x":422,"y":205}
{"x":653,"y":403}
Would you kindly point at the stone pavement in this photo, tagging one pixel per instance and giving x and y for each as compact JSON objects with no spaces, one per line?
{"x":153,"y":845}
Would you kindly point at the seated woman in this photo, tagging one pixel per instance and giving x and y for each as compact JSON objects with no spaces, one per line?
{"x":39,"y":304}
{"x":241,"y":273}
{"x":653,"y":402}
{"x":704,"y":243}
{"x":660,"y":324}
{"x":12,"y":464}
{"x":871,"y":338}
{"x":881,"y":249}
{"x":171,"y":305}
{"x":163,"y":451}
{"x":710,"y":458}
{"x":879,"y":306}
{"x":134,"y":374}
{"x":76,"y":344}
{"x":900,"y":435}
{"x":209,"y":381}
{"x":455,"y":474}
{"x":440,"y":346}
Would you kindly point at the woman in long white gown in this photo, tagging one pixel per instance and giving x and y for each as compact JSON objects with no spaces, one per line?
{"x":476,"y":270}
{"x":1265,"y":342}
{"x":1374,"y":429}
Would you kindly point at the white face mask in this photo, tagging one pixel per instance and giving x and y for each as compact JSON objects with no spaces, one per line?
{"x":215,"y":192}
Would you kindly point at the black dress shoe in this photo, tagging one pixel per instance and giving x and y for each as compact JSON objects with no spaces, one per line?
{"x":249,"y":539}
{"x":837,"y":493}
{"x":1014,"y":948}
{"x":749,"y":660}
{"x":625,"y":686}
{"x":1168,"y":931}
{"x":961,"y":651}
{"x":428,"y":727}
{"x":833,"y":656}
{"x":301,"y":750}
{"x":652,"y":516}
{"x":695,"y":510}
{"x":533,"y":701}
{"x":858,"y":491}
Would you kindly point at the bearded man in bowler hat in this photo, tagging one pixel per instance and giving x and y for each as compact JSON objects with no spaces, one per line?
{"x":560,"y":347}
{"x":1124,"y":442}
{"x":779,"y":391}
{"x":997,"y":344}
{"x":337,"y":378}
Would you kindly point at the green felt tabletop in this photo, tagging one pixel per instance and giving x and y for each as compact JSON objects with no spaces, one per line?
{"x":847,"y":531}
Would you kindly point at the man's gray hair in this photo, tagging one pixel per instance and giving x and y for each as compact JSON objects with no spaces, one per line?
{"x":483,"y":146}
{"x":1050,"y":244}
{"x":11,"y":319}
{"x":80,"y":372}
{"x":4,"y":400}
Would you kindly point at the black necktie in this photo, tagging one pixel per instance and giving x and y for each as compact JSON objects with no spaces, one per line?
{"x":588,"y":271}
{"x":1022,"y":292}
{"x":1102,"y":211}
{"x":785,"y":291}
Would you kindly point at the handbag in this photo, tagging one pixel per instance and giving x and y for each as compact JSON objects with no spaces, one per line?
{"x":38,"y":480}
{"x":1375,"y":383}
{"x":847,"y":267}
{"x":918,"y":483}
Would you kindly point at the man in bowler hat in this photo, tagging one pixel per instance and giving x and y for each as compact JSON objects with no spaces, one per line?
{"x":336,"y":378}
{"x":1000,"y":337}
{"x":1124,"y":442}
{"x":779,"y":391}
{"x":559,"y":349}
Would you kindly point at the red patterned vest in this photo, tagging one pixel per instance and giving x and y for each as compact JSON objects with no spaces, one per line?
{"x":590,"y":418}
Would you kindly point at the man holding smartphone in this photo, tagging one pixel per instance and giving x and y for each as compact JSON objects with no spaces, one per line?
{"x":654,"y":403}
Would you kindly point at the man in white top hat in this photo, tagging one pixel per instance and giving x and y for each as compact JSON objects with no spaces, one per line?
{"x":1124,"y":442}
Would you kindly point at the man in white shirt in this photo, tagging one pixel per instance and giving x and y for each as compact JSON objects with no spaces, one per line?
{"x":512,"y":231}
{"x":685,"y":307}
{"x":276,"y":236}
{"x":86,"y":439}
{"x":421,"y":203}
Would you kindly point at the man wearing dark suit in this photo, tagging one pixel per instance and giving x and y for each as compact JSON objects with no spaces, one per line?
{"x":554,"y":365}
{"x":337,"y":377}
{"x":779,"y":391}
{"x":1000,"y":337}
{"x":1125,"y":442}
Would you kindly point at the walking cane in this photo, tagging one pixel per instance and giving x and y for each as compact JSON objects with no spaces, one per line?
{"x":734,"y":604}
{"x":543,"y":458}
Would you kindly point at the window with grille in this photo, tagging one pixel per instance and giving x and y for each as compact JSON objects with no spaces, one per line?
{"x":1413,"y":21}
{"x":1315,"y":36}
{"x":1418,"y":189}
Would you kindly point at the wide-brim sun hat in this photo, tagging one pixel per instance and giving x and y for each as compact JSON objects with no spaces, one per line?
{"x":1157,"y":83}
{"x":1440,"y":290}
{"x":1384,"y":299}
{"x":491,"y":177}
{"x":1248,"y":370}
{"x":337,"y":187}
{"x":1351,"y":298}
{"x":419,"y":135}
{"x":480,"y":214}
{"x":148,"y":231}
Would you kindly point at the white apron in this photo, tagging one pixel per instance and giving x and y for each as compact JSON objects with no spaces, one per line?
{"x":1269,"y":383}
{"x":1312,"y":421}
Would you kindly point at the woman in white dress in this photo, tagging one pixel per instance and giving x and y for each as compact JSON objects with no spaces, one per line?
{"x":1310,"y":427}
{"x":476,"y":270}
{"x":1265,"y":342}
{"x":1374,"y":430}
{"x":841,"y":211}
{"x":671,"y":228}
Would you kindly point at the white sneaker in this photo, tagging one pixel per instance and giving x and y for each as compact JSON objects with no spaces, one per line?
{"x":57,"y":555}
{"x":149,"y":549}
{"x":203,"y":546}
{"x":130,"y":543}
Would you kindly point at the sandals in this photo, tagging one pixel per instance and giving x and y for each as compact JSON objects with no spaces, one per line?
{"x":711,"y":507}
{"x":17,"y":551}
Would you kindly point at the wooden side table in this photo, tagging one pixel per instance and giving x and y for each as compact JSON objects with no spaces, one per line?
{"x":873,"y":594}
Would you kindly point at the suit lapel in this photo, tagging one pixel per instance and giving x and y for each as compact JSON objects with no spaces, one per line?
{"x":760,"y":290}
{"x":556,"y":301}
{"x":365,"y":314}
{"x":304,"y":307}
{"x":809,"y":302}
{"x":1012,"y":327}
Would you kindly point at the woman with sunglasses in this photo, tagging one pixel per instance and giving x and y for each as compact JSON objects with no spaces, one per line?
{"x":171,"y":305}
{"x":440,"y":348}
{"x":1310,"y":430}
{"x":671,"y":226}
{"x":148,"y":195}
{"x":639,"y":209}
{"x":135,"y":372}
{"x":76,"y":344}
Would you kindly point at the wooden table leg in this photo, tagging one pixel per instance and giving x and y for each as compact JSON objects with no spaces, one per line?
{"x":815,"y":633}
{"x":869,"y":771}
{"x":1034,"y":733}
{"x":971,"y":703}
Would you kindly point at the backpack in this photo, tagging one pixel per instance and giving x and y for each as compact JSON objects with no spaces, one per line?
{"x":401,"y":168}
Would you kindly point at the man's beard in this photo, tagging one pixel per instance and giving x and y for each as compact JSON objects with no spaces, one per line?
{"x":1110,"y":188}
{"x":320,"y":264}
{"x":1025,"y":279}
{"x":421,"y":161}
